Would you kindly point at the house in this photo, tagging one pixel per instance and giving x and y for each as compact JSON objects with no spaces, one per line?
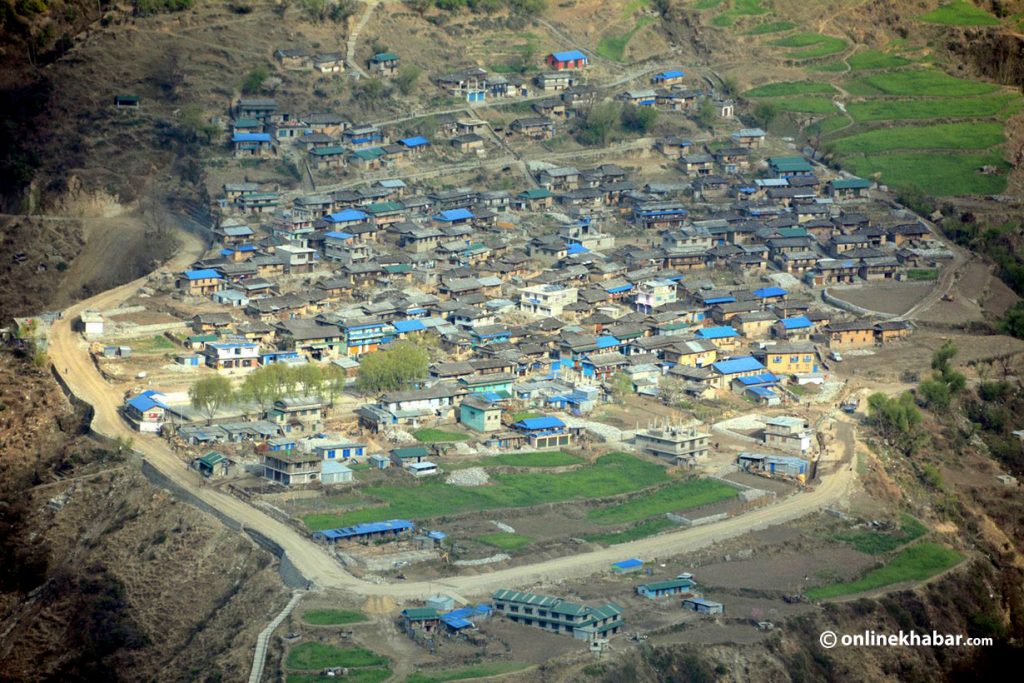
{"x":653,"y":294}
{"x":909,"y":232}
{"x":544,"y":432}
{"x":774,"y":465}
{"x":211,"y":465}
{"x":327,"y":157}
{"x":422,"y":469}
{"x":297,"y":413}
{"x":661,"y":589}
{"x":333,"y":472}
{"x":788,"y":433}
{"x":724,"y":371}
{"x":703,"y":606}
{"x":557,"y":615}
{"x":639,"y":98}
{"x":384,"y":64}
{"x":126,"y":101}
{"x":696,"y":164}
{"x":842,"y":189}
{"x":749,"y":137}
{"x":724,"y":337}
{"x":555,"y":81}
{"x":329,"y":63}
{"x":673,"y":146}
{"x":91,"y":323}
{"x":785,"y":167}
{"x":370,"y":531}
{"x":480,"y":414}
{"x":547,"y":300}
{"x":291,"y":467}
{"x":791,"y":359}
{"x":534,"y":199}
{"x":202,"y":282}
{"x":889,"y":331}
{"x":260,"y":108}
{"x":856,"y":334}
{"x":631,"y":566}
{"x":252,"y":145}
{"x":534,"y":127}
{"x":681,"y":445}
{"x":231,"y":355}
{"x":468,"y":142}
{"x":293,"y":58}
{"x":569,"y":59}
{"x":146,"y":412}
{"x":667,"y":78}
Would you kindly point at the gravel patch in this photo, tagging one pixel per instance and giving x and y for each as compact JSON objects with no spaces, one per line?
{"x":471,"y":476}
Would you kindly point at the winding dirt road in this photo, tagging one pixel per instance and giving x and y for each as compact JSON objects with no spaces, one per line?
{"x":69,"y":353}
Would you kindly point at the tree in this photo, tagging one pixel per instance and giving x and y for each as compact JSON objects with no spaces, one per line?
{"x":341,"y":10}
{"x":391,"y":369}
{"x":1013,"y":321}
{"x":193,"y":126}
{"x":311,"y":377}
{"x":705,"y":114}
{"x":934,"y":394}
{"x":334,"y":382}
{"x":621,"y":386}
{"x":371,"y":92}
{"x":259,"y":388}
{"x":598,"y":125}
{"x":897,"y":420}
{"x":638,"y":119}
{"x":254,"y":80}
{"x":765,"y":113}
{"x":406,"y":78}
{"x":210,"y":395}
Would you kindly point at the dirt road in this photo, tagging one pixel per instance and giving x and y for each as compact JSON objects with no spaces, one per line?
{"x":70,"y":356}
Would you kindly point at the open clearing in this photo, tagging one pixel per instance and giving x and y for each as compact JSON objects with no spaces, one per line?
{"x":917,"y":83}
{"x":916,"y":563}
{"x":938,"y":136}
{"x":959,"y":13}
{"x":876,"y":59}
{"x":959,"y":108}
{"x":942,"y":174}
{"x":679,"y":496}
{"x":319,"y":655}
{"x":484,"y":670}
{"x":893,"y":297}
{"x":791,"y":88}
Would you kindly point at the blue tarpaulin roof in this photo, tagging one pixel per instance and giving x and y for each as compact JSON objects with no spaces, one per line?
{"x":577,"y":249}
{"x":203,"y":274}
{"x":672,"y":73}
{"x":720,"y":300}
{"x":763,"y":378}
{"x":717,"y":332}
{"x":338,"y":235}
{"x":618,"y":289}
{"x":606,"y":341}
{"x":797,"y":323}
{"x":629,"y":564}
{"x":569,"y":55}
{"x":735,"y":365}
{"x":365,"y":529}
{"x":250,"y":137}
{"x":766,"y":292}
{"x":417,"y":141}
{"x":346,"y":216}
{"x":547,"y":422}
{"x":146,"y":400}
{"x":454,"y":215}
{"x":408,"y":325}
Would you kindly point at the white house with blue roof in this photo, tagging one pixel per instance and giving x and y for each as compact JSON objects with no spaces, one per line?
{"x":146,"y":412}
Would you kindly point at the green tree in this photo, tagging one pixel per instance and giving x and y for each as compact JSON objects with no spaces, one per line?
{"x":311,"y":377}
{"x":638,"y":119}
{"x":254,"y":80}
{"x":705,"y":114}
{"x":391,"y":369}
{"x":934,"y":394}
{"x":406,"y":78}
{"x":334,"y":382}
{"x":897,"y":420}
{"x":341,"y":10}
{"x":210,"y":395}
{"x":259,"y":388}
{"x":621,"y":386}
{"x":765,"y":113}
{"x":193,"y":125}
{"x":597,"y":126}
{"x":371,"y":92}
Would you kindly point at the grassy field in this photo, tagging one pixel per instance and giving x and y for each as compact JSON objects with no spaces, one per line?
{"x":438,"y":436}
{"x":876,"y":59}
{"x":828,"y":68}
{"x":738,"y":9}
{"x":320,"y":655}
{"x":938,"y":136}
{"x":525,"y":415}
{"x":466,"y":672}
{"x":610,"y":475}
{"x":954,"y":108}
{"x":539,"y":459}
{"x":707,"y":4}
{"x":808,"y":104}
{"x":641,"y":530}
{"x":917,"y":83}
{"x":812,"y":45}
{"x":941,"y":175}
{"x":369,"y":675}
{"x":155,"y":344}
{"x":333,"y":617}
{"x":876,"y":543}
{"x":791,"y":88}
{"x":923,"y":274}
{"x":916,"y":563}
{"x":771,"y":27}
{"x":505,"y":541}
{"x":675,"y":497}
{"x":959,"y":13}
{"x":613,"y":45}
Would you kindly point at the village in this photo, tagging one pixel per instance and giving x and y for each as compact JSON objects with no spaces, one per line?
{"x":451,"y":352}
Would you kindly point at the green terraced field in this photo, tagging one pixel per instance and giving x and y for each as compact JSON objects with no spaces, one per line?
{"x":941,"y":175}
{"x":634,"y":533}
{"x":771,"y":27}
{"x":791,"y":88}
{"x":916,"y":563}
{"x":673,"y":498}
{"x":808,"y":105}
{"x":814,"y":45}
{"x":959,"y":13}
{"x":876,"y":59}
{"x":917,"y":83}
{"x":505,"y":541}
{"x":333,"y":617}
{"x":321,"y":655}
{"x":939,"y":136}
{"x":952,"y":108}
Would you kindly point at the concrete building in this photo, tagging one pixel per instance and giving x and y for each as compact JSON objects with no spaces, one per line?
{"x":547,"y":300}
{"x":334,"y":472}
{"x":92,"y":323}
{"x":291,"y":467}
{"x":703,"y":606}
{"x":661,"y":589}
{"x":790,"y":434}
{"x":557,"y":615}
{"x":653,"y":294}
{"x":682,"y":445}
{"x":479,"y":414}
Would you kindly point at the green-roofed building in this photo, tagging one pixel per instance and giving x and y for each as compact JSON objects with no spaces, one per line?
{"x":401,"y":456}
{"x":789,"y":166}
{"x":557,"y":615}
{"x":848,"y":188}
{"x":660,"y":589}
{"x":213,"y":464}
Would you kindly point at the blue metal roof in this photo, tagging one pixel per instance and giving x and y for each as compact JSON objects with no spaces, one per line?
{"x":454,"y":215}
{"x":766,"y":292}
{"x":408,"y":325}
{"x":607,"y":341}
{"x":672,"y":73}
{"x":456,"y":623}
{"x":569,"y":56}
{"x":250,"y":137}
{"x":338,"y":235}
{"x":735,"y":365}
{"x":762,"y":391}
{"x":577,"y":248}
{"x":798,"y":323}
{"x":720,"y":300}
{"x":418,"y":141}
{"x":763,"y":378}
{"x":547,"y":422}
{"x":628,"y":564}
{"x":717,"y":332}
{"x":346,"y":216}
{"x":364,"y":529}
{"x":202,"y":274}
{"x":620,"y":288}
{"x":146,"y":400}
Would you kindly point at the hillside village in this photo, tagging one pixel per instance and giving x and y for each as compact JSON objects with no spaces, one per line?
{"x":519,"y":387}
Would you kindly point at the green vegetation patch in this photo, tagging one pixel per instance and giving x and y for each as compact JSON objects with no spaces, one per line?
{"x":771,"y":27}
{"x":370,"y":675}
{"x":877,"y":543}
{"x":438,"y":436}
{"x":917,"y":83}
{"x":505,"y":541}
{"x":539,"y":459}
{"x":707,"y":4}
{"x":155,"y":344}
{"x":916,"y":563}
{"x":876,"y":59}
{"x":959,"y":13}
{"x":808,"y":105}
{"x":322,"y":655}
{"x":466,"y":672}
{"x":634,"y":533}
{"x":525,"y":415}
{"x":333,"y":617}
{"x":791,"y":88}
{"x":923,"y":274}
{"x":613,"y":45}
{"x":813,"y":45}
{"x":678,"y":496}
{"x":828,"y":67}
{"x":942,"y":175}
{"x":610,"y":475}
{"x":956,"y":108}
{"x":938,"y":136}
